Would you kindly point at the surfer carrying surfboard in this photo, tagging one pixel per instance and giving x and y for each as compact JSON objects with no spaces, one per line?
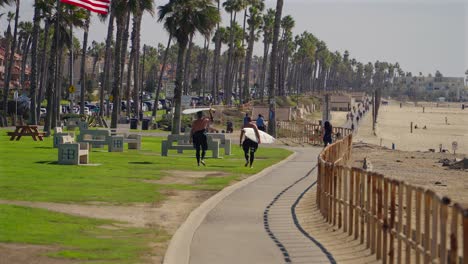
{"x":249,"y":146}
{"x":198,"y":135}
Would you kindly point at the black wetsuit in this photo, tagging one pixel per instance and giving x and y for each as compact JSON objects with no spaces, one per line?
{"x":200,"y":141}
{"x":249,"y":146}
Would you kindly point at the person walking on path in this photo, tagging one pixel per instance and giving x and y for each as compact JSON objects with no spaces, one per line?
{"x":327,"y":133}
{"x":249,"y":146}
{"x":246,"y":119}
{"x":198,"y":136}
{"x":261,"y":122}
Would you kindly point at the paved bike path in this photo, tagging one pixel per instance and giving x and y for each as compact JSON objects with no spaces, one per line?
{"x":255,"y":224}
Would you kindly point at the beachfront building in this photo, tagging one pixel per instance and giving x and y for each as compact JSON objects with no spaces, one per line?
{"x":15,"y":71}
{"x":452,"y":88}
{"x":358,"y":97}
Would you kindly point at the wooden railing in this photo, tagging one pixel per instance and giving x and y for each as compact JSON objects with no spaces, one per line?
{"x":398,"y":222}
{"x":306,"y":133}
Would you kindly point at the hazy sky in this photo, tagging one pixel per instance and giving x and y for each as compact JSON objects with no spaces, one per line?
{"x":422,"y":35}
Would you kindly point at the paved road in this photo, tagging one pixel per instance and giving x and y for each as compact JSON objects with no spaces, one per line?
{"x":255,"y":223}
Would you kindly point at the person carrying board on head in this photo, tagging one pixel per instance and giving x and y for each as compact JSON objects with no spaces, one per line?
{"x":198,"y":135}
{"x":249,"y":146}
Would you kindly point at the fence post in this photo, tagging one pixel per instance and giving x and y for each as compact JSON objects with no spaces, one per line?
{"x":408,"y":230}
{"x":385,"y":221}
{"x":400,"y":221}
{"x":443,"y":229}
{"x":352,"y":207}
{"x":393,"y":187}
{"x":427,"y":225}
{"x":418,"y":224}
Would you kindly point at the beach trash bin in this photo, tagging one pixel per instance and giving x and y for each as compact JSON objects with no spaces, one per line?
{"x":145,"y":124}
{"x":133,"y":123}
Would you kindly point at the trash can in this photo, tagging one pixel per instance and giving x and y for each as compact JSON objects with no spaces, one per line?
{"x":133,"y":123}
{"x":145,"y":124}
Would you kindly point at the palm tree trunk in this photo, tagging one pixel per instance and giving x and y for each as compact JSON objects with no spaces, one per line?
{"x":178,"y":88}
{"x":50,"y":85}
{"x":107,"y":58}
{"x":129,"y":82}
{"x":161,"y":74}
{"x":271,"y":85}
{"x":25,"y":52}
{"x":216,"y":66}
{"x":44,"y":65}
{"x":136,"y":66}
{"x":248,"y":61}
{"x":116,"y":83}
{"x":124,"y":57}
{"x":187,"y":66}
{"x":11,"y":60}
{"x":266,"y":48}
{"x":32,"y":93}
{"x":83,"y":64}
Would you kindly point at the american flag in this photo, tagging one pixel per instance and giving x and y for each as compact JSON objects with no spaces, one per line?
{"x":98,"y":6}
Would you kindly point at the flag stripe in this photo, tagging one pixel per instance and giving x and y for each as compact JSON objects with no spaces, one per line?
{"x":98,"y":6}
{"x":91,"y":3}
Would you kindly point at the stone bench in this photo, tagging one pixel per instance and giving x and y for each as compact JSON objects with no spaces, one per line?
{"x":70,"y":153}
{"x":224,"y":143}
{"x":183,"y":143}
{"x":58,"y":133}
{"x":96,"y":138}
{"x":133,"y":140}
{"x":72,"y":123}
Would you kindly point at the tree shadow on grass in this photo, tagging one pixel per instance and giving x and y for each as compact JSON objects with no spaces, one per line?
{"x":44,"y":147}
{"x":141,"y":162}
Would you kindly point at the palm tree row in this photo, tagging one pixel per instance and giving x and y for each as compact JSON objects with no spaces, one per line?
{"x":298,"y":64}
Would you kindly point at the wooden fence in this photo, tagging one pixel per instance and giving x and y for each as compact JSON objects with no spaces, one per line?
{"x":305,"y":132}
{"x":398,"y":222}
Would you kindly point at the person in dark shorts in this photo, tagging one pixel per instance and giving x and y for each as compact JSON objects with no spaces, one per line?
{"x":260,"y":122}
{"x":327,"y":133}
{"x":198,"y":136}
{"x":249,"y":146}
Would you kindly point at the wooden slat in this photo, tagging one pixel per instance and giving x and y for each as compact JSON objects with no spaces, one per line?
{"x":385,"y":228}
{"x":435,"y":226}
{"x":418,"y":225}
{"x":357,"y":191}
{"x":408,"y":229}
{"x":400,"y":221}
{"x":362,"y":203}
{"x":454,"y":236}
{"x":379,"y":215}
{"x":373,"y":213}
{"x":393,"y":188}
{"x":351,"y":204}
{"x":443,"y":229}
{"x":465,"y":236}
{"x":427,"y":225}
{"x":368,"y":209}
{"x":340,"y":195}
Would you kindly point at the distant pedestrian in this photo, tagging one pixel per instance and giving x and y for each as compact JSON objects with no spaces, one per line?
{"x":246,"y":119}
{"x":248,"y":145}
{"x":198,"y":136}
{"x":327,"y":133}
{"x":260,"y":123}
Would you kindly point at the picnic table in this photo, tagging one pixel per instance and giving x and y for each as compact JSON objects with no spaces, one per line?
{"x":26,"y":131}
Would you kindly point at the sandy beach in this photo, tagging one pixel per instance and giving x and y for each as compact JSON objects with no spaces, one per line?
{"x":394,"y":127}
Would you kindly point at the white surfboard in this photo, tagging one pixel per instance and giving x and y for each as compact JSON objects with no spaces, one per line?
{"x":194,"y":110}
{"x":265,"y":138}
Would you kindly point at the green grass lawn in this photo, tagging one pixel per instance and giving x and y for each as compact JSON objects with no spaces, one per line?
{"x":29,"y":172}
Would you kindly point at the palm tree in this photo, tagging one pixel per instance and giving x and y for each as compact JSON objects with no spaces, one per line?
{"x":11,"y":59}
{"x":169,"y":28}
{"x":34,"y":47}
{"x":254,"y":22}
{"x":83,"y":62}
{"x":267,"y":28}
{"x":120,"y":12}
{"x":184,"y":18}
{"x":271,"y":83}
{"x":232,"y":7}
